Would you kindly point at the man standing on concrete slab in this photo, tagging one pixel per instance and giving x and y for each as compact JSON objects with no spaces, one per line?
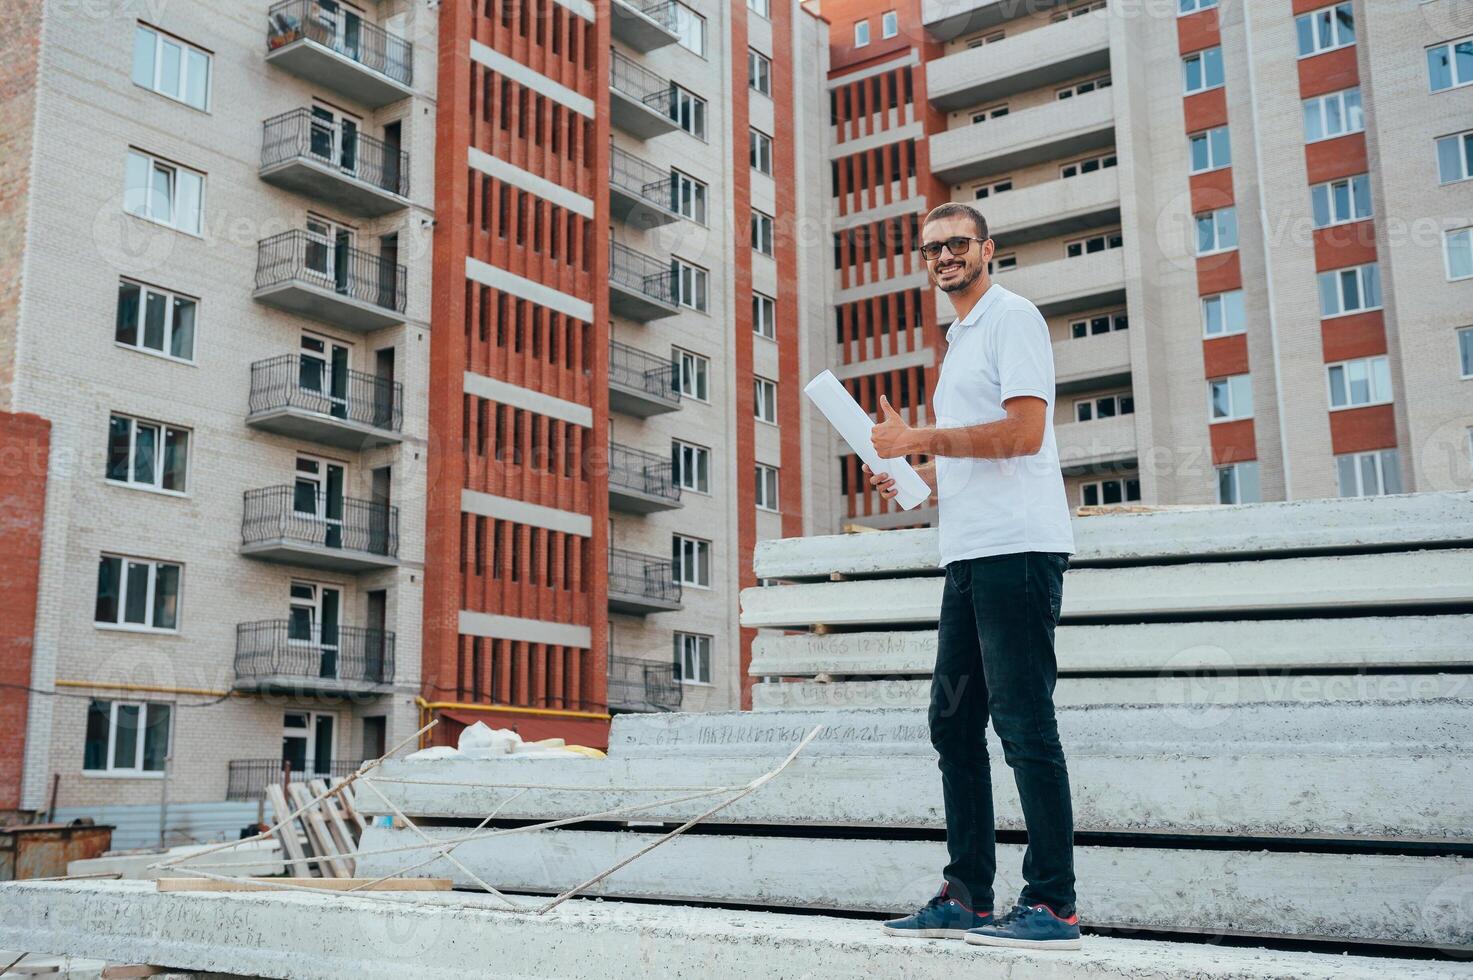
{"x":1005,"y":543}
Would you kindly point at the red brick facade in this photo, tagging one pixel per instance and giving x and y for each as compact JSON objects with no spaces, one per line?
{"x":25,"y":442}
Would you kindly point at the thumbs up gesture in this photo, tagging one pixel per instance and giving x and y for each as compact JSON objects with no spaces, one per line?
{"x":892,"y":437}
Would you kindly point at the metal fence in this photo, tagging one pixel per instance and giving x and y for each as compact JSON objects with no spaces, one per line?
{"x":633,"y":80}
{"x":632,"y":573}
{"x":354,"y":154}
{"x":342,"y":31}
{"x":643,"y":371}
{"x":292,"y":381}
{"x":301,"y":256}
{"x":638,"y":176}
{"x":248,"y":778}
{"x":344,"y":653}
{"x":282,"y":514}
{"x":635,"y":469}
{"x":642,"y":685}
{"x":643,"y":273}
{"x":662,"y":12}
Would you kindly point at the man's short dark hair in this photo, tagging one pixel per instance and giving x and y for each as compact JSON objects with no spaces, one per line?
{"x":953,"y":209}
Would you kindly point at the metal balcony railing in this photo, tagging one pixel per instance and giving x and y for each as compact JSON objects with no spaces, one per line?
{"x":276,"y":648}
{"x":633,"y":80}
{"x":301,"y":256}
{"x":248,"y":778}
{"x":642,"y":685}
{"x":300,"y":134}
{"x":299,"y":516}
{"x":635,"y":469}
{"x":341,"y":31}
{"x":662,"y":12}
{"x":643,"y":273}
{"x":638,"y":176}
{"x":292,"y":381}
{"x":643,"y":371}
{"x":631,"y":573}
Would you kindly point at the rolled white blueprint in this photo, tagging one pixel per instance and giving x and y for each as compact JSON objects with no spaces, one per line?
{"x":854,"y":424}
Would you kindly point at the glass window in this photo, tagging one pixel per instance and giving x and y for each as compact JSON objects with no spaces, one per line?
{"x":889,"y":24}
{"x":126,"y":737}
{"x":690,"y":196}
{"x":762,"y":232}
{"x":1223,"y":314}
{"x":1341,"y":201}
{"x":1202,"y":70}
{"x":1217,"y":231}
{"x":764,"y":316}
{"x":1465,"y":351}
{"x":163,"y":192}
{"x":692,"y":561}
{"x":692,"y":658}
{"x":1364,"y":381}
{"x":1350,"y":290}
{"x":1238,"y":483}
{"x":759,"y":7}
{"x":153,"y":320}
{"x":1192,"y":6}
{"x":765,"y":400}
{"x":1230,"y":398}
{"x":137,"y":592}
{"x":147,"y":454}
{"x":1450,"y":65}
{"x":1459,"y":246}
{"x":1369,"y":474}
{"x":759,"y":72}
{"x":1210,"y":150}
{"x":1455,"y":158}
{"x":690,"y":28}
{"x":688,"y":110}
{"x":1325,"y":30}
{"x":766,"y":487}
{"x":171,"y":67}
{"x":861,"y":33}
{"x":759,"y":146}
{"x":1336,"y":114}
{"x":692,"y":466}
{"x":693,"y":373}
{"x":690,"y":284}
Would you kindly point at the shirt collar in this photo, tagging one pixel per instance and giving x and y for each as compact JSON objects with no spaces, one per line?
{"x":975,"y":314}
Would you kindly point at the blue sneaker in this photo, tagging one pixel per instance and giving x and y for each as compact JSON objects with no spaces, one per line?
{"x":1028,"y":927}
{"x":940,"y":918}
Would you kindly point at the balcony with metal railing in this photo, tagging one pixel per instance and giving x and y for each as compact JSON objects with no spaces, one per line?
{"x":642,"y":685}
{"x":334,"y":163}
{"x":1053,"y":131}
{"x":642,"y":102}
{"x":333,"y":46}
{"x":641,"y":482}
{"x":311,"y":275}
{"x":642,"y":25}
{"x":306,"y":398}
{"x":277,"y":656}
{"x":247,"y":779}
{"x":641,"y":287}
{"x":295,"y":526}
{"x":640,"y":383}
{"x":641,"y":584}
{"x":640,"y":193}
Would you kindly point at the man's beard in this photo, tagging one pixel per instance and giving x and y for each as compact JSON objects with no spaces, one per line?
{"x":966,"y":280}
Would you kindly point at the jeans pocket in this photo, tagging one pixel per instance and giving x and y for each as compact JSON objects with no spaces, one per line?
{"x":959,"y":575}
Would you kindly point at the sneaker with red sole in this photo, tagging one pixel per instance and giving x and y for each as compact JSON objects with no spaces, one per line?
{"x":942,"y":917}
{"x":1028,"y":927}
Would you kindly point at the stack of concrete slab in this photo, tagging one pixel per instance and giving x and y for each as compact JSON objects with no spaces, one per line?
{"x":1265,"y":710}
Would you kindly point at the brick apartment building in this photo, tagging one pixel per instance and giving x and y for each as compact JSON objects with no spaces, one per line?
{"x":1247,"y":224}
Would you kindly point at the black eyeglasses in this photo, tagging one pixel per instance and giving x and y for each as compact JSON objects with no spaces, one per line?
{"x":959,"y":245}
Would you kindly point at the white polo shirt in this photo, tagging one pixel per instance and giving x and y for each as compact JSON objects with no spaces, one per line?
{"x":999,"y":350}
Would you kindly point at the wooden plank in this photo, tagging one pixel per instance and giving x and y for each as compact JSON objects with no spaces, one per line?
{"x":350,"y":810}
{"x":291,"y":844}
{"x":325,"y":884}
{"x":318,"y":834}
{"x":1239,"y":588}
{"x":341,"y":835}
{"x":1352,"y":643}
{"x":1335,"y":897}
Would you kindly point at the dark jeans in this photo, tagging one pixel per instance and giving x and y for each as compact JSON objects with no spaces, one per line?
{"x":995,"y":655}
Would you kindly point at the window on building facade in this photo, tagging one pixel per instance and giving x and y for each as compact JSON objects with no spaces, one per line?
{"x":1082,"y":88}
{"x":762,"y":232}
{"x":1450,"y":65}
{"x":690,"y":284}
{"x":1093,"y":244}
{"x":1238,"y":483}
{"x":693,"y":373}
{"x":759,"y":149}
{"x":1098,"y":324}
{"x":766,"y":487}
{"x":147,"y":454}
{"x":1455,"y":157}
{"x":984,"y":191}
{"x":762,"y":8}
{"x":126,"y":737}
{"x":1105,"y":492}
{"x":137,"y":593}
{"x":1336,"y":114}
{"x":764,"y":394}
{"x":1192,"y":6}
{"x":692,"y":466}
{"x":155,"y":321}
{"x":692,"y":561}
{"x":1217,"y":231}
{"x":163,"y":192}
{"x":1222,"y":315}
{"x":759,"y":72}
{"x":1362,"y":381}
{"x":1465,"y":351}
{"x":688,"y":110}
{"x":1325,"y":30}
{"x":1230,"y":398}
{"x":690,"y":28}
{"x":1103,"y":407}
{"x":992,"y":112}
{"x":690,"y":196}
{"x":171,"y":67}
{"x":861,"y":33}
{"x":764,"y":316}
{"x":692,"y":658}
{"x":1088,"y":166}
{"x":1341,"y":201}
{"x":1352,"y":290}
{"x":1203,"y":70}
{"x":1458,"y":247}
{"x":1368,"y":474}
{"x":1210,"y":150}
{"x":889,"y":24}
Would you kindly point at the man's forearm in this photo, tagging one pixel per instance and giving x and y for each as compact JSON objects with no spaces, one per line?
{"x":1002,"y":439}
{"x":927,"y":472}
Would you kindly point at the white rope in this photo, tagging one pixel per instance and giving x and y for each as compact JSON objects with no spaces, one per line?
{"x":432,"y":859}
{"x":548,"y":787}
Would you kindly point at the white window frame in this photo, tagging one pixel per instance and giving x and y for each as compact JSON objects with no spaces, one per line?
{"x":308,"y":734}
{"x":990,"y":38}
{"x":1081,"y":167}
{"x":1185,"y":7}
{"x":861,"y":33}
{"x":1002,"y":263}
{"x":1349,"y":109}
{"x":1239,"y":388}
{"x":126,"y":570}
{"x":1118,"y":320}
{"x":690,"y":196}
{"x":1465,"y":352}
{"x":170,"y":299}
{"x":693,"y":650}
{"x":1323,"y":199}
{"x":164,"y":431}
{"x":141,"y":203}
{"x":1228,"y":305}
{"x":1112,"y":239}
{"x":767,"y":487}
{"x":1451,"y":47}
{"x":983,"y":191}
{"x":1078,"y":10}
{"x":759,"y":151}
{"x":1367,"y":280}
{"x":1224,"y":230}
{"x":1091,"y":406}
{"x":764,"y":400}
{"x":889,"y":24}
{"x":1383,"y":461}
{"x":759,"y":72}
{"x":1083,"y":87}
{"x":1460,"y":239}
{"x":1462,"y":147}
{"x":699,"y":551}
{"x":1374,"y":372}
{"x":764,"y":316}
{"x":1216,"y":141}
{"x":697,"y":286}
{"x":682,"y":21}
{"x":187,"y":65}
{"x":693,"y":375}
{"x":762,"y":8}
{"x":1098,"y":486}
{"x":1236,"y":473}
{"x":135,"y":771}
{"x":687,"y":106}
{"x":1196,"y":67}
{"x":692,"y":467}
{"x":991,"y":112}
{"x":763,"y":233}
{"x":1321,"y":22}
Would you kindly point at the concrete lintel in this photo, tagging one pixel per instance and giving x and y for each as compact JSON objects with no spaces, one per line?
{"x":327,"y":937}
{"x":528,"y":181}
{"x":522,"y":512}
{"x":526,"y":630}
{"x":537,"y":82}
{"x":520,"y":286}
{"x":506,"y":393}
